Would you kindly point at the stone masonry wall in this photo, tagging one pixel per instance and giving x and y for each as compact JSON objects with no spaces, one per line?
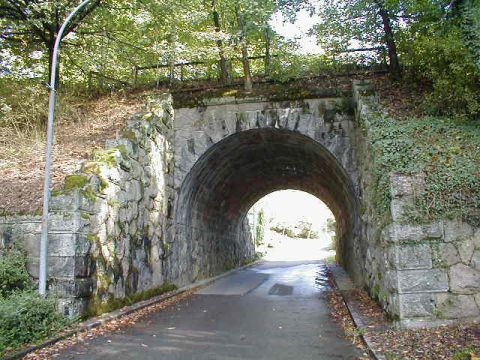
{"x":423,"y":274}
{"x":107,"y":226}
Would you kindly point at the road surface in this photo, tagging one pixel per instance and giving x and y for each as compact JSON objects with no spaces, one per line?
{"x":273,"y":310}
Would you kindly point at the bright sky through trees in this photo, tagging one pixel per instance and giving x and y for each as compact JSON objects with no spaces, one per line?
{"x":298,"y":31}
{"x":292,"y":206}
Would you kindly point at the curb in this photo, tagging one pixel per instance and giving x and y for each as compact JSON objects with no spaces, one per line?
{"x":376,"y":355}
{"x":126,"y":310}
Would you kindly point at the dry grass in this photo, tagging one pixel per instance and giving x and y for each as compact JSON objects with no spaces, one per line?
{"x":82,"y":127}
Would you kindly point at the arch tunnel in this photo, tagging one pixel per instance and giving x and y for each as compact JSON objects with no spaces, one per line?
{"x":232,"y":175}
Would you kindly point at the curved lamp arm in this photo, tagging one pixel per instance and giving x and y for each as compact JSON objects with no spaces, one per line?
{"x":42,"y":284}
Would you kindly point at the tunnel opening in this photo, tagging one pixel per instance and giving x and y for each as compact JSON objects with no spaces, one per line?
{"x":293,"y":226}
{"x":211,"y":227}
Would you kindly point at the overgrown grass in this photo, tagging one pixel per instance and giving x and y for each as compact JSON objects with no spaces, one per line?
{"x":446,"y":150}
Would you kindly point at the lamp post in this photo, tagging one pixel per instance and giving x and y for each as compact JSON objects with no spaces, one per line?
{"x":42,"y":284}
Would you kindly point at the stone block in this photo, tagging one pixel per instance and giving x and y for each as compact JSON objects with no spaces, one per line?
{"x":404,"y":185}
{"x":58,"y":244}
{"x":476,"y":239}
{"x":83,"y":266}
{"x":465,"y":250}
{"x":399,"y":206}
{"x":457,"y":230}
{"x":65,"y":201}
{"x":66,"y":222}
{"x":415,"y":281}
{"x":62,"y":266}
{"x":464,"y":279}
{"x":72,"y":307}
{"x":450,"y":306}
{"x":413,"y":233}
{"x":390,"y":280}
{"x":416,"y":305}
{"x":475,"y":263}
{"x":414,"y":256}
{"x":445,"y":255}
{"x":71,"y":288}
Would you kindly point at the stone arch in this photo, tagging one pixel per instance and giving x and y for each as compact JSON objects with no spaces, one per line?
{"x":211,"y":233}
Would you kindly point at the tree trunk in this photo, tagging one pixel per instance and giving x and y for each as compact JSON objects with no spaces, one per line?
{"x":50,"y":45}
{"x":395,"y":70}
{"x":247,"y":76}
{"x":225,"y":78}
{"x":268,"y":56}
{"x":171,"y":55}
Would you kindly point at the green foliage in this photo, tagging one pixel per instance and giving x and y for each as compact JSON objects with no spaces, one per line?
{"x":469,"y":353}
{"x":470,"y":27}
{"x":446,"y":150}
{"x":260,"y":228}
{"x":291,"y":66}
{"x":23,"y":106}
{"x":331,"y":225}
{"x":13,"y":272}
{"x":306,"y":231}
{"x":27,"y":317}
{"x":284,"y":230}
{"x":439,"y":60}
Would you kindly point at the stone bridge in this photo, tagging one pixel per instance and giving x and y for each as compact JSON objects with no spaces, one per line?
{"x":166,"y":203}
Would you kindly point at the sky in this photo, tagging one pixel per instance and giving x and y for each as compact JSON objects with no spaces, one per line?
{"x":298,"y":30}
{"x":292,"y":206}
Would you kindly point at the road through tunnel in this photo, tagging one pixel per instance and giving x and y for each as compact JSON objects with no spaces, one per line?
{"x":234,"y":174}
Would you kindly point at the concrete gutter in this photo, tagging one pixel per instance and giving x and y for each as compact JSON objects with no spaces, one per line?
{"x":344,"y":284}
{"x":116,"y":314}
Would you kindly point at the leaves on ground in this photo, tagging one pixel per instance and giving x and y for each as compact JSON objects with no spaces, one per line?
{"x":458,"y":342}
{"x":105,"y":328}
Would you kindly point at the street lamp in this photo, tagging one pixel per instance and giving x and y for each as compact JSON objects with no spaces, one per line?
{"x":42,"y":284}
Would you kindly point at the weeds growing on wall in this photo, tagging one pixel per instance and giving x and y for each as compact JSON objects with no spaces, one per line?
{"x":447,"y":151}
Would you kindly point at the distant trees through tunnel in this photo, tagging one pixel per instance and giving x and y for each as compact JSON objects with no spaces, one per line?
{"x":292,"y":225}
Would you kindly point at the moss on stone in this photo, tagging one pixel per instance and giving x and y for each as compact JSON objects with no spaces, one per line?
{"x":112,"y":202}
{"x":107,"y":157}
{"x":92,"y":238}
{"x":103,"y":183}
{"x":98,"y":307}
{"x":75,"y":182}
{"x":90,"y":194}
{"x":84,"y":215}
{"x":130,"y":135}
{"x":58,"y":192}
{"x":91,"y":167}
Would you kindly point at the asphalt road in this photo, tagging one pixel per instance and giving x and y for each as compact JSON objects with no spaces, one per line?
{"x":274,"y":310}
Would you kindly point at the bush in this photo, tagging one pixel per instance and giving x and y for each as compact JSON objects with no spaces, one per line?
{"x":26,"y":317}
{"x":13,"y":272}
{"x":283,"y":230}
{"x":439,"y":61}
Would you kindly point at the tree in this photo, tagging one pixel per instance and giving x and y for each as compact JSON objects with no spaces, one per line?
{"x":359,"y":23}
{"x":242,"y":39}
{"x":37,"y":22}
{"x":468,"y":11}
{"x":225,"y":76}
